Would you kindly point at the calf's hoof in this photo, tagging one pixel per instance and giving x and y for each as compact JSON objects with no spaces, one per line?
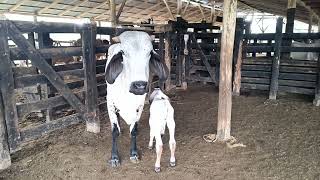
{"x":114,"y":162}
{"x":134,"y":159}
{"x":172,"y":164}
{"x":150,"y":147}
{"x":157,"y":169}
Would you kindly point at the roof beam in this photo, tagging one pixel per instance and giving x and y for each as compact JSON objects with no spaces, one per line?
{"x":120,"y":9}
{"x":92,"y":9}
{"x":16,"y":6}
{"x":203,"y":16}
{"x":303,"y":4}
{"x":55,"y":2}
{"x":169,"y":10}
{"x":82,"y":2}
{"x":185,"y":8}
{"x":137,"y":16}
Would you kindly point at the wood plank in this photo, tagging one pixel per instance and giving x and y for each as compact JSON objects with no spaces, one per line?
{"x":296,"y":90}
{"x":44,"y":67}
{"x":31,"y":80}
{"x":5,"y":159}
{"x":90,"y":81}
{"x":32,"y":133}
{"x":225,"y":85}
{"x":57,"y":52}
{"x":276,"y":60}
{"x":298,"y":77}
{"x":262,"y":87}
{"x":7,"y":89}
{"x":26,"y":108}
{"x":204,"y":59}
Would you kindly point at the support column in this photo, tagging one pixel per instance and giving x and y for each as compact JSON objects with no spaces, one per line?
{"x":179,"y":8}
{"x":316,"y":100}
{"x":90,"y":81}
{"x":237,"y":56}
{"x":291,"y":11}
{"x":167,"y":58}
{"x":5,"y":159}
{"x":225,"y":86}
{"x":310,"y":23}
{"x":113,"y":15}
{"x":276,"y":61}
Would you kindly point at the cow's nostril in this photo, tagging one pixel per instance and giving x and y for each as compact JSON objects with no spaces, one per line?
{"x":140,"y":85}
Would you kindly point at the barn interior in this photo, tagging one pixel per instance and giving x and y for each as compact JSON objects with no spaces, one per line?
{"x":53,"y":115}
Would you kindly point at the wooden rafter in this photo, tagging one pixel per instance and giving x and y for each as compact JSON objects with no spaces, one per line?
{"x":168,"y":7}
{"x":16,"y":6}
{"x":72,"y":7}
{"x":303,"y":4}
{"x":185,"y":8}
{"x":93,"y":9}
{"x":120,"y":9}
{"x":137,"y":16}
{"x":202,"y":13}
{"x":55,"y":2}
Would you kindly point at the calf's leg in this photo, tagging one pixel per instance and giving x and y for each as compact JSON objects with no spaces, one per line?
{"x":172,"y":142}
{"x":159,"y":147}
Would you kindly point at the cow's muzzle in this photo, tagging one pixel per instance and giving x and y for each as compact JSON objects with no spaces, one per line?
{"x":139,"y":87}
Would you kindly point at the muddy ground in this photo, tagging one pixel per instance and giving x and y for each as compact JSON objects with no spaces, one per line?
{"x":282,"y":139}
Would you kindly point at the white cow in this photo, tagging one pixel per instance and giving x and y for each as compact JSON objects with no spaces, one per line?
{"x":127,"y":74}
{"x":161,"y":114}
{"x":305,"y":55}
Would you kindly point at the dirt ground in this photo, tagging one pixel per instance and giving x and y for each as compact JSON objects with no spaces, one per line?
{"x":282,"y":139}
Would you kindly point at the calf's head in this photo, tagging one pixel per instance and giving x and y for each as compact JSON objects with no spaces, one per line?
{"x":134,"y":58}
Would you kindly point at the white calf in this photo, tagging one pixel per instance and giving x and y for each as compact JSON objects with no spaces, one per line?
{"x":161,"y":114}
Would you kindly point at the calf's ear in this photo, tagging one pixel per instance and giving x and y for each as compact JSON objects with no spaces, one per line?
{"x":114,"y":68}
{"x":158,"y":66}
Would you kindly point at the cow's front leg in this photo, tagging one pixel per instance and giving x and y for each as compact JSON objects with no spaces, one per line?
{"x":115,"y":161}
{"x":133,"y":149}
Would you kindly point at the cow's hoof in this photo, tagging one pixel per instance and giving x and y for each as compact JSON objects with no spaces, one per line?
{"x":172,"y":164}
{"x":150,"y":147}
{"x":157,"y":169}
{"x":134,"y":159}
{"x":114,"y":162}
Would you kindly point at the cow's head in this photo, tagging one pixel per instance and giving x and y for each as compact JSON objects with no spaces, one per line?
{"x":135,"y":57}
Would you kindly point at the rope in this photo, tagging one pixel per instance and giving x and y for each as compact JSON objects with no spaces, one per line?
{"x":231,"y":143}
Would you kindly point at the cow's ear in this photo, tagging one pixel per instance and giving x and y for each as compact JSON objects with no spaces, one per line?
{"x":114,"y":68}
{"x":158,"y":66}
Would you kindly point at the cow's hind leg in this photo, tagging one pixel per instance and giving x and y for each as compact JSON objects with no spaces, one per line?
{"x":115,"y":161}
{"x":133,"y":150}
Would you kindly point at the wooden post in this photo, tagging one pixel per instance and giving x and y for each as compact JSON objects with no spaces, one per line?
{"x":179,"y":8}
{"x":316,"y":100}
{"x":291,"y":11}
{"x":310,"y":23}
{"x":269,"y":44}
{"x":247,"y":30}
{"x":5,"y":159}
{"x":161,"y":54}
{"x":45,"y":42}
{"x":113,"y":15}
{"x":255,"y":41}
{"x":237,"y":56}
{"x":167,"y":58}
{"x":7,"y":89}
{"x":276,"y":60}
{"x":225,"y":86}
{"x":183,"y":64}
{"x":90,"y":80}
